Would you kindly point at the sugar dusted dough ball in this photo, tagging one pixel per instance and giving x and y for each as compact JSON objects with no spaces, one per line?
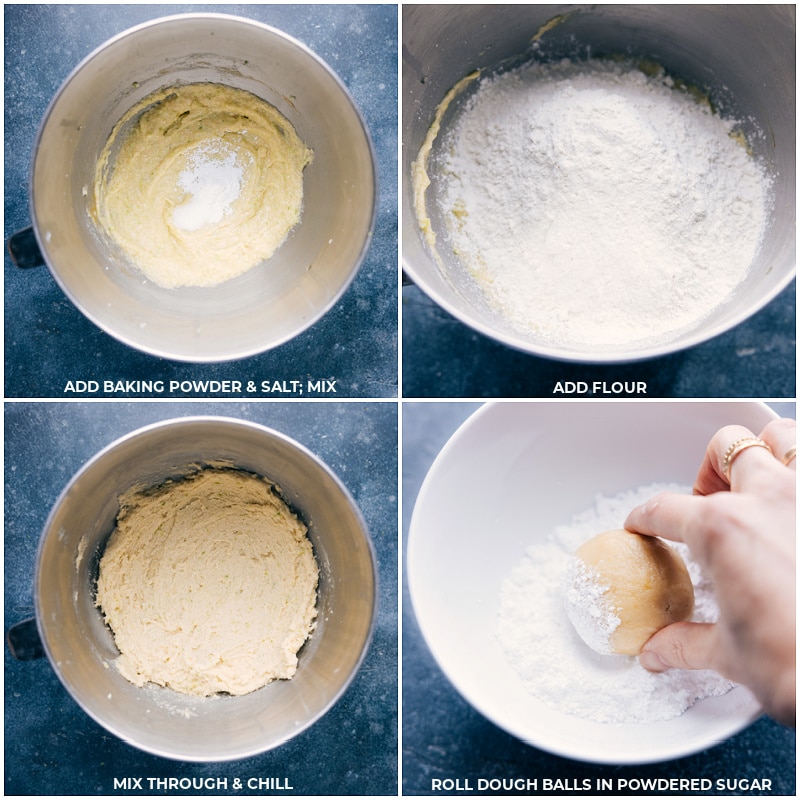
{"x":622,"y":587}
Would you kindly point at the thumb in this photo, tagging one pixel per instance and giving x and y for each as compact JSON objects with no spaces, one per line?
{"x":682,"y":645}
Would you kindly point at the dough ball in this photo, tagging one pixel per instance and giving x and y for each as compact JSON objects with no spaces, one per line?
{"x":622,"y":587}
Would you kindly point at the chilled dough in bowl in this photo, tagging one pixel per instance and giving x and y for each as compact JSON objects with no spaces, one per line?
{"x":198,"y":183}
{"x":209,"y":584}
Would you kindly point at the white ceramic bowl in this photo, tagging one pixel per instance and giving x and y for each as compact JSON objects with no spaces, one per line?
{"x":506,"y":478}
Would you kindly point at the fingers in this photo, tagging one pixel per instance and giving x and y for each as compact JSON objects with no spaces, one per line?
{"x":710,"y":477}
{"x":678,"y":517}
{"x":781,"y":436}
{"x":735,"y":459}
{"x":683,"y":645}
{"x":721,"y":466}
{"x":666,"y":515}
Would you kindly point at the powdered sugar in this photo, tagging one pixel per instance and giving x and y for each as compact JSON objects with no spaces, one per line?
{"x":213,"y":182}
{"x":590,"y":615}
{"x":597,"y":206}
{"x":558,"y":667}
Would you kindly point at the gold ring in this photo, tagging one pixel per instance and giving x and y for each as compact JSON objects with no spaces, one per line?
{"x":790,"y":455}
{"x":736,"y":448}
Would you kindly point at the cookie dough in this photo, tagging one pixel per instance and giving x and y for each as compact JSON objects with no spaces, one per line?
{"x":199,"y":183}
{"x":622,"y":587}
{"x":420,"y":180}
{"x":209,"y":584}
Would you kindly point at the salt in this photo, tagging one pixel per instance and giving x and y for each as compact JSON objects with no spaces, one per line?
{"x":558,"y":667}
{"x":212,"y":182}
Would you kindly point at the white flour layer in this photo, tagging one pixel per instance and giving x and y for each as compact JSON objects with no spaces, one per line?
{"x":597,"y":206}
{"x":554,"y":663}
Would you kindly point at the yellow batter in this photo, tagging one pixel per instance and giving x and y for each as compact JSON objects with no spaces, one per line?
{"x":420,"y":179}
{"x":200,"y":182}
{"x":209,"y":584}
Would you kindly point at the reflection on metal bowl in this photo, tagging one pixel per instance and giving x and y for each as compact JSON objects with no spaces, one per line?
{"x":274,"y":301}
{"x":81,"y":647}
{"x":732,"y":52}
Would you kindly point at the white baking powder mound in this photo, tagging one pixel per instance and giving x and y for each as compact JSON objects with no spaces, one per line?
{"x":596,"y":206}
{"x":212,"y":183}
{"x":561,"y":670}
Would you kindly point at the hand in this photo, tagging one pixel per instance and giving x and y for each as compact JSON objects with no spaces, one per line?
{"x":740,"y":527}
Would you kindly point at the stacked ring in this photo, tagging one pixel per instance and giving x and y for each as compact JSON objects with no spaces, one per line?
{"x":739,"y":446}
{"x":790,"y":455}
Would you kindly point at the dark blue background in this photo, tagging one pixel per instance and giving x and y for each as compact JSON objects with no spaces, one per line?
{"x":444,"y":358}
{"x":48,"y":341}
{"x":444,"y":737}
{"x":53,"y":748}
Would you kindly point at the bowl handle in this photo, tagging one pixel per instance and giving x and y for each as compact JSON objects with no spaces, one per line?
{"x":24,"y":249}
{"x":24,"y":642}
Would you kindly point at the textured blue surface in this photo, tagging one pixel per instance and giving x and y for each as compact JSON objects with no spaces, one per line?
{"x":48,"y":341}
{"x":53,"y":748}
{"x":444,"y":358}
{"x":444,"y":737}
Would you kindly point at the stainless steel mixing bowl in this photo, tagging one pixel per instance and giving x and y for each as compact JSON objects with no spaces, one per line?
{"x":81,"y":647}
{"x":744,"y":55}
{"x":271,"y":303}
